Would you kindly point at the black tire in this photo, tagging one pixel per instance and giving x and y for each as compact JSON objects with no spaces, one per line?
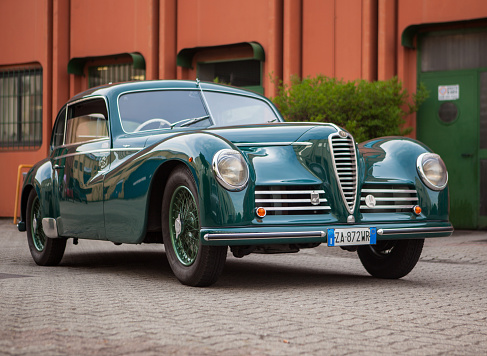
{"x":192,"y":263}
{"x":44,"y":250}
{"x":391,"y":259}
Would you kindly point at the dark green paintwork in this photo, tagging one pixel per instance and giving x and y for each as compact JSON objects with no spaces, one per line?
{"x":122,"y":188}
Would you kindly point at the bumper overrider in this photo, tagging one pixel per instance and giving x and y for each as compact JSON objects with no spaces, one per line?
{"x":318,"y":234}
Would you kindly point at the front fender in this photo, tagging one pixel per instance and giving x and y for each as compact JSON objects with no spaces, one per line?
{"x":393,"y":160}
{"x":136,"y":179}
{"x":218,"y":206}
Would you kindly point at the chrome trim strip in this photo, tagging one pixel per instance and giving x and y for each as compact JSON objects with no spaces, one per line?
{"x":415,"y":230}
{"x":99,"y":151}
{"x":323,"y":200}
{"x":49,"y":226}
{"x":288,"y":191}
{"x":389,"y":191}
{"x":364,"y":207}
{"x":393,"y":199}
{"x":263,"y":235}
{"x":311,"y":207}
{"x":250,"y":144}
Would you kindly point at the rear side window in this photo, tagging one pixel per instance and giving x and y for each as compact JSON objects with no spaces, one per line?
{"x":87,"y":121}
{"x":57,"y":138}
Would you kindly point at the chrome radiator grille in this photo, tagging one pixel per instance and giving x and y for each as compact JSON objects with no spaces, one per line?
{"x":345,"y":164}
{"x":388,"y":198}
{"x":291,"y":200}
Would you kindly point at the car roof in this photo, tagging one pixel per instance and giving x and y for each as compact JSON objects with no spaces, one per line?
{"x":117,"y":88}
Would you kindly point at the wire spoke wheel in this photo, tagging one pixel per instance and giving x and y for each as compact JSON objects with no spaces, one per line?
{"x":184,"y":224}
{"x":38,"y":236}
{"x":44,"y":250}
{"x":193,"y":263}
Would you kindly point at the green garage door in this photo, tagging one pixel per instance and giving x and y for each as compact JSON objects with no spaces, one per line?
{"x":453,"y":120}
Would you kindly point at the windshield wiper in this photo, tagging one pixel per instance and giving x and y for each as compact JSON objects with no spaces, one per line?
{"x":189,"y":122}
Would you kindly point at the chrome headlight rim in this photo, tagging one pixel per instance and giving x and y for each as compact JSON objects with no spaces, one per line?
{"x":420,"y":167}
{"x":221,"y":179}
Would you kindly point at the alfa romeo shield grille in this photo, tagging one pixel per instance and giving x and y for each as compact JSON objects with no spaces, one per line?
{"x":345,"y":164}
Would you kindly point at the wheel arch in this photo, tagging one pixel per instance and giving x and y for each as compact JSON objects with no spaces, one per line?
{"x":23,"y":201}
{"x":158,"y":184}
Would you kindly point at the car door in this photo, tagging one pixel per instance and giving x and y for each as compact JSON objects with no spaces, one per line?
{"x":78,"y":166}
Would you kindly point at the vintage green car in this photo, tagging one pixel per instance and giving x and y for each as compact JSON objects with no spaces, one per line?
{"x":201,"y":167}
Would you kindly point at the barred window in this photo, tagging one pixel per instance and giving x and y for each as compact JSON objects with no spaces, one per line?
{"x":114,"y":73}
{"x":20,"y":108}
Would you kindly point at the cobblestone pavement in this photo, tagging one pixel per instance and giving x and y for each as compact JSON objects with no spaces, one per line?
{"x":121,"y":300}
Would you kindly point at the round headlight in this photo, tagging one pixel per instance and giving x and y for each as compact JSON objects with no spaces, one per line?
{"x":432,"y":170}
{"x":230,"y":169}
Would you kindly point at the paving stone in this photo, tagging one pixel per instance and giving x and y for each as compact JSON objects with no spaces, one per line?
{"x":123,"y":300}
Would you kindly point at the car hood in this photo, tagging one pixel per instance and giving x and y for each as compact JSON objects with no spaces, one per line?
{"x":281,"y":134}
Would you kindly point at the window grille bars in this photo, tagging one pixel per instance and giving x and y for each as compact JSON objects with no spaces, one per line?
{"x":20,"y":108}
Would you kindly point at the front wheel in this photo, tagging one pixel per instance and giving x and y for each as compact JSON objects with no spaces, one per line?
{"x":391,"y":259}
{"x":44,"y":250}
{"x":193,"y":264}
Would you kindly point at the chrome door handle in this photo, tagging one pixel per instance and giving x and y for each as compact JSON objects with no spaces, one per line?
{"x":57,"y":167}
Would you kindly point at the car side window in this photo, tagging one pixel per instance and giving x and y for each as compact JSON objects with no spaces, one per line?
{"x":57,"y":138}
{"x":87,"y":121}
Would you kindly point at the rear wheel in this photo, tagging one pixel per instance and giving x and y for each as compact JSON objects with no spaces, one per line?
{"x":193,"y":264}
{"x":391,"y":259}
{"x":44,"y":250}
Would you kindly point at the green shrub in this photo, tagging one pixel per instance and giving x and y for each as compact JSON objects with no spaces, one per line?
{"x":366,"y":109}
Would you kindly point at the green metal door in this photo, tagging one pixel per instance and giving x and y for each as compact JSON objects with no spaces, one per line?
{"x":448,"y":122}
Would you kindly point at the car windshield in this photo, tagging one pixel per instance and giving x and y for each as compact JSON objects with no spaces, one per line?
{"x":230,"y":109}
{"x":170,"y":109}
{"x":152,"y":110}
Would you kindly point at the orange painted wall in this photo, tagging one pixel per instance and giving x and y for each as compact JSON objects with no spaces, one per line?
{"x":214,"y":23}
{"x":100,"y":28}
{"x":31,"y":44}
{"x":348,"y":39}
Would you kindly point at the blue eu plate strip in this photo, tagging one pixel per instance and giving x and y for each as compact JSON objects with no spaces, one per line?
{"x":373,"y":235}
{"x":331,"y":237}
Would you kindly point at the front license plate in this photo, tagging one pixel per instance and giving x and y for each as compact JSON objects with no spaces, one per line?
{"x":352,"y":236}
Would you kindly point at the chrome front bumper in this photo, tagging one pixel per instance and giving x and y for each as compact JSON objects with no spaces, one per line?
{"x":235,"y":236}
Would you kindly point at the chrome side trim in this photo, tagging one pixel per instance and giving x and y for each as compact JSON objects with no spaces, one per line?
{"x":263,"y":235}
{"x":49,"y":226}
{"x":259,"y":144}
{"x":101,"y":150}
{"x":416,"y":230}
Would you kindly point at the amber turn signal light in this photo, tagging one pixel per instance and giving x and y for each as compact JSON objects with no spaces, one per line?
{"x":260,"y":212}
{"x":417,"y":209}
